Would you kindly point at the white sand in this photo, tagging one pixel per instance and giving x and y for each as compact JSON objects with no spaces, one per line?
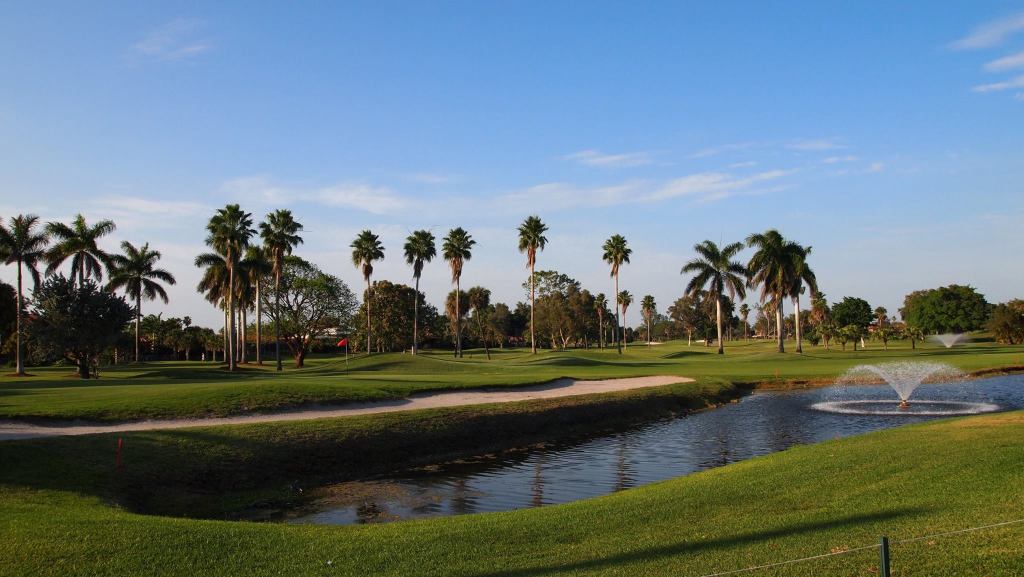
{"x":560,"y":388}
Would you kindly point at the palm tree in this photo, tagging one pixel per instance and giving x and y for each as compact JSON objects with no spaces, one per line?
{"x":419,"y":249}
{"x":456,"y":249}
{"x":600,"y":303}
{"x":625,"y":299}
{"x":135,"y":271}
{"x":366,"y":249}
{"x":715,"y":269}
{"x":745,"y":314}
{"x":532,"y":239}
{"x":772,"y":268}
{"x":22,"y":245}
{"x":214,"y":286}
{"x":79,"y":243}
{"x":801,"y":274}
{"x":280,"y":234}
{"x":479,"y":300}
{"x":647,"y":307}
{"x":616,"y":253}
{"x":257,"y":266}
{"x":230,"y":228}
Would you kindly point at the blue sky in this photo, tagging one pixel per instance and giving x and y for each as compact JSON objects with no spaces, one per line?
{"x":887,"y":136}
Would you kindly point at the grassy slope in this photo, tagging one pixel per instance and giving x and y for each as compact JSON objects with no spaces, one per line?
{"x":902,"y":482}
{"x":163,"y":390}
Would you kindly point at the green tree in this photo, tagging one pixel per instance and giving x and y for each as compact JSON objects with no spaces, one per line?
{"x":312,"y":303}
{"x":852,"y":311}
{"x":601,"y":305}
{"x":915,"y":334}
{"x":802,"y":275}
{"x":648,"y":308}
{"x":456,"y":305}
{"x":773,"y":268}
{"x":229,"y":231}
{"x":625,"y":299}
{"x":532,"y":239}
{"x":419,"y":249}
{"x":821,"y":318}
{"x":616,"y":254}
{"x":685,"y":312}
{"x":79,"y":242}
{"x":457,"y":248}
{"x":23,"y":245}
{"x":479,"y":300}
{"x":949,"y":309}
{"x":136,"y":273}
{"x":851,"y":332}
{"x":77,"y":321}
{"x":1007,"y":322}
{"x":744,"y":315}
{"x":280,"y":234}
{"x":258,"y":265}
{"x":366,"y":249}
{"x":715,"y":270}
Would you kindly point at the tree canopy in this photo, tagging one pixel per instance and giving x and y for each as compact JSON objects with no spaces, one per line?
{"x":852,"y":311}
{"x":949,"y":309}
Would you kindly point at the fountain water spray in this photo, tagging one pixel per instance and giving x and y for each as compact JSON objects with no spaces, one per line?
{"x":949,"y":340}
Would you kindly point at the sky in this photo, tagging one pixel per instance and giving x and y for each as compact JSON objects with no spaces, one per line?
{"x":887,"y":136}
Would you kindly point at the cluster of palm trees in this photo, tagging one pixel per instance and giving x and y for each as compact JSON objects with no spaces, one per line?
{"x":27,"y":243}
{"x":778,"y":268}
{"x":235,"y":270}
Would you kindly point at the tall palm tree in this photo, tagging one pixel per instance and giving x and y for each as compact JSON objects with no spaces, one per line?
{"x":648,"y":308}
{"x":616,"y":253}
{"x":532,"y":239}
{"x":79,"y":243}
{"x":280,"y":234}
{"x":366,"y":249}
{"x":214,"y":286}
{"x":135,"y":271}
{"x":456,"y":249}
{"x":600,"y":303}
{"x":745,"y":314}
{"x":420,"y":249}
{"x":715,"y":269}
{"x":258,"y":265}
{"x":625,"y":299}
{"x":230,"y":229}
{"x":772,"y":268}
{"x":479,"y":300}
{"x":802,"y":274}
{"x":23,"y":245}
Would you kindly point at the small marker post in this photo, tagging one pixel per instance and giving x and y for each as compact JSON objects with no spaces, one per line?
{"x":883,"y":566}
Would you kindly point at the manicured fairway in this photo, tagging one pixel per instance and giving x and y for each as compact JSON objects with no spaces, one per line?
{"x":164,"y":390}
{"x":904,"y":483}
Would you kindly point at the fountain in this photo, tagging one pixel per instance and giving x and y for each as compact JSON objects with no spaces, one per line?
{"x":904,"y":378}
{"x":949,"y":340}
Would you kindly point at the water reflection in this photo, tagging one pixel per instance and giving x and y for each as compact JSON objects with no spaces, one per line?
{"x":759,"y":424}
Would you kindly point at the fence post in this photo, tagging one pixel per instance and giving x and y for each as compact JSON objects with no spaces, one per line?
{"x":884,"y":564}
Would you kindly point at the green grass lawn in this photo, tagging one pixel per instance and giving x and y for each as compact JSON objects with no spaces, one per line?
{"x":163,"y":390}
{"x":905,"y":482}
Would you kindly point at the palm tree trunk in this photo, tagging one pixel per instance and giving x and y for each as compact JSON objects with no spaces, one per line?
{"x":778,"y":322}
{"x":618,"y":323}
{"x":277,"y":319}
{"x":368,"y":299}
{"x":799,"y":331}
{"x":718,"y":316}
{"x":138,"y":319}
{"x":259,"y":325}
{"x":600,"y":330}
{"x":244,"y":330}
{"x":533,"y":337}
{"x":20,"y":362}
{"x":458,"y":320}
{"x":232,"y":339}
{"x":416,"y":318}
{"x":227,"y":345}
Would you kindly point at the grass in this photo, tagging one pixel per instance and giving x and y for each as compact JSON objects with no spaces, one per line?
{"x":905,"y":482}
{"x":165,"y":390}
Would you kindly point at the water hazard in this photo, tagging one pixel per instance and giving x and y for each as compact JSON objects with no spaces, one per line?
{"x":761,"y":423}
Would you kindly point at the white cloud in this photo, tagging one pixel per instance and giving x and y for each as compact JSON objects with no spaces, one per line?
{"x":598,"y":158}
{"x":1010,"y":62}
{"x":876,"y":167}
{"x":360,"y":196}
{"x":991,"y":33}
{"x":746,"y":164}
{"x":1017,"y":82}
{"x":839,"y":159}
{"x":179,"y":39}
{"x":722,"y":148}
{"x":431,"y":178}
{"x":814,"y":144}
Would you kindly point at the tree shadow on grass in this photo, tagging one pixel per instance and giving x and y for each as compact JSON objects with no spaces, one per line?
{"x":696,"y":547}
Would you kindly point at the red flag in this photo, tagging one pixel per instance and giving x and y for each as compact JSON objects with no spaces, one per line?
{"x":342,"y":342}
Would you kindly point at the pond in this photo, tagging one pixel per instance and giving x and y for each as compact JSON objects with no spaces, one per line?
{"x":760,"y":423}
